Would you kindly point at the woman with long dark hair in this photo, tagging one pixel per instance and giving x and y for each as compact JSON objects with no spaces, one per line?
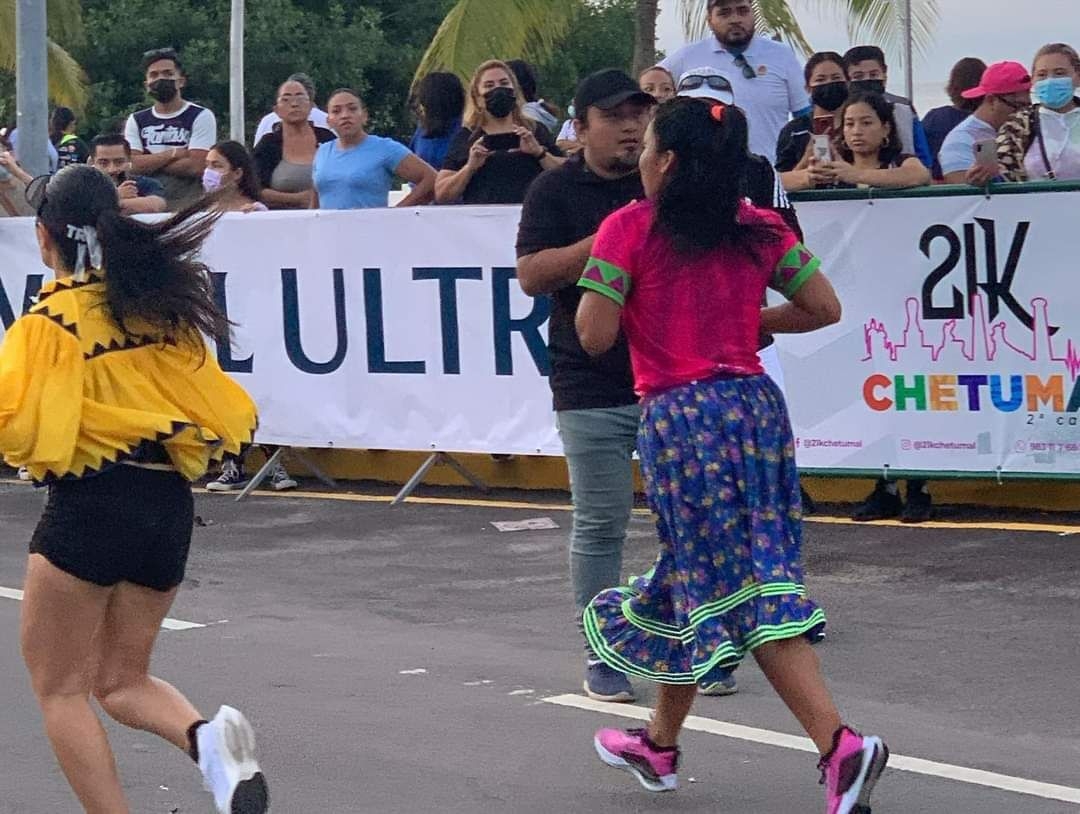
{"x":439,"y":102}
{"x":109,"y":396}
{"x":231,"y":175}
{"x":682,"y":275}
{"x":70,"y":149}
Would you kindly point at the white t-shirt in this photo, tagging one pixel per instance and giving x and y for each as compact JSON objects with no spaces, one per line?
{"x":957,"y":153}
{"x":568,"y":131}
{"x":192,"y":127}
{"x":776,"y":91}
{"x":266,"y":124}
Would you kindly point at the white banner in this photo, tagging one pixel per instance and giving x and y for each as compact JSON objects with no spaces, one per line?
{"x":405,"y":329}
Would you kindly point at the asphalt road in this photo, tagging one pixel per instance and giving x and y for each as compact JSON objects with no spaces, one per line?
{"x":957,"y":645}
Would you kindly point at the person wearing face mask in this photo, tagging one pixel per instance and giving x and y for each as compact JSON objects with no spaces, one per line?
{"x":169,"y":141}
{"x":826,"y":82}
{"x":867,"y":71}
{"x":1004,"y":89}
{"x":1042,"y":143}
{"x":499,"y":151}
{"x":230,"y":174}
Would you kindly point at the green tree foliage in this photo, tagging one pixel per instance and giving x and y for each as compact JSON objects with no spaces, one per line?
{"x":371,"y":46}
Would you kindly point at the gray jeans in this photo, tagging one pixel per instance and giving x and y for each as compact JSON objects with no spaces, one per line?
{"x":598,"y":445}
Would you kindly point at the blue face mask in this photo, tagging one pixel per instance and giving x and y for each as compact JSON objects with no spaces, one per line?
{"x":1054,"y":92}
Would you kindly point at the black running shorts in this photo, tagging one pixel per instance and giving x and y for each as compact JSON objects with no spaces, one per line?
{"x":127,"y":524}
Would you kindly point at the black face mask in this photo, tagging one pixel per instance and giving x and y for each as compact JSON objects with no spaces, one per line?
{"x":830,"y":97}
{"x":164,"y":90}
{"x":867,"y":86}
{"x":500,"y":102}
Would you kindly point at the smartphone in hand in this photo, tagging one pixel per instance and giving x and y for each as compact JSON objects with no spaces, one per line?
{"x":986,"y":154}
{"x":823,"y":149}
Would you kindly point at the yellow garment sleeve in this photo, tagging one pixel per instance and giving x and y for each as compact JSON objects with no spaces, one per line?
{"x":41,"y":381}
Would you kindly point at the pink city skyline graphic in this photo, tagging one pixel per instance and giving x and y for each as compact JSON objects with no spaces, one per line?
{"x":978,"y":339}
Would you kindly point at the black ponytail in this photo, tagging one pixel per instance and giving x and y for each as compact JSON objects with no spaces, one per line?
{"x":698,"y":206}
{"x":153,"y":276}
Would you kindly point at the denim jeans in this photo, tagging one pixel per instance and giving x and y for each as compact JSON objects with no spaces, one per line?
{"x":598,"y":444}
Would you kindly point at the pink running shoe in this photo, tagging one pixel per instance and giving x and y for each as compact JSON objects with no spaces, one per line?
{"x":850,"y":771}
{"x":632,"y":751}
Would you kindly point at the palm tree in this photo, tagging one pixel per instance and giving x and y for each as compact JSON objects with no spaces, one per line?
{"x":476,"y":30}
{"x":67,"y":82}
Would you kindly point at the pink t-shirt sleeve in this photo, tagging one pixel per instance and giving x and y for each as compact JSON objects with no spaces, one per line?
{"x":610,"y":266}
{"x":791,"y":264}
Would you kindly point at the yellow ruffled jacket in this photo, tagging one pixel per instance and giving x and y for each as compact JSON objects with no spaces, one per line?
{"x":77,"y":396}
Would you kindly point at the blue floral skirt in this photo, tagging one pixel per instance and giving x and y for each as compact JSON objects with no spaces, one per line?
{"x":718,"y":461}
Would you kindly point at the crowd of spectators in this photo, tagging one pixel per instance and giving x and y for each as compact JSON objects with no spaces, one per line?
{"x":828,"y":124}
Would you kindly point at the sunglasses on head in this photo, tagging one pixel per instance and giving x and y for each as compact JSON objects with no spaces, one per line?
{"x":696,"y":81}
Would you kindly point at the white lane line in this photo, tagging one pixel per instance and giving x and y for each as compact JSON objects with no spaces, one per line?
{"x":168,"y":624}
{"x":959,"y":774}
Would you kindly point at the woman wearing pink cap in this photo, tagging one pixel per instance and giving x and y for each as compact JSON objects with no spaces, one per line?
{"x":1005,"y":88}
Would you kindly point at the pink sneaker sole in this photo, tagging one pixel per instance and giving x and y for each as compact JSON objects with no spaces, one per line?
{"x":662,"y":784}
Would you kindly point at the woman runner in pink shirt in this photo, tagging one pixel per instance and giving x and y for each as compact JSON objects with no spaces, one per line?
{"x":683,"y":274}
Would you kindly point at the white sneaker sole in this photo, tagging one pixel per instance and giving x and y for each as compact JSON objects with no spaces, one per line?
{"x":667,"y":782}
{"x":874,"y":757}
{"x":284,"y":486}
{"x":250,"y":794}
{"x":618,"y":698}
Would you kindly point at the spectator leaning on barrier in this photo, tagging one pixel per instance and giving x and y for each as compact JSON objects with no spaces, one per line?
{"x":1042,"y":143}
{"x":499,"y":151}
{"x":230,"y":176}
{"x":540,"y":111}
{"x":766,"y":76}
{"x":866,"y":70}
{"x":826,"y":82}
{"x":285,"y":155}
{"x":439,"y":104}
{"x":1004,"y":89}
{"x":940,"y":121}
{"x":869,"y":153}
{"x":356,"y":170}
{"x":169,"y":140}
{"x":316,"y":116}
{"x":70,"y":148}
{"x":597,"y":409}
{"x":111,"y":154}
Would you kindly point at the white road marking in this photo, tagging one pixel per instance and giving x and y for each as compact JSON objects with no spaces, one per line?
{"x":959,"y":774}
{"x":168,"y":624}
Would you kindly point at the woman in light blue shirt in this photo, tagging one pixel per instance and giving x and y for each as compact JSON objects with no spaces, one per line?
{"x":357,"y":169}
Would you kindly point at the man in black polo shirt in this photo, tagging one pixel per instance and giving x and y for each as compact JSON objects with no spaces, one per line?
{"x":597,"y":410}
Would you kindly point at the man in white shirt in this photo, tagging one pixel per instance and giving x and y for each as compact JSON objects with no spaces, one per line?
{"x":1005,"y":88}
{"x":316,"y":117}
{"x":170,"y":140}
{"x":765,"y":75}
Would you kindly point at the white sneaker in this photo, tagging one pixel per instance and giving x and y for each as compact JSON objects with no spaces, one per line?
{"x":24,"y":473}
{"x":280,"y":480}
{"x":227,"y":762}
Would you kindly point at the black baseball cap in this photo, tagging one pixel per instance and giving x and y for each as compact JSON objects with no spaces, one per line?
{"x":607,"y":89}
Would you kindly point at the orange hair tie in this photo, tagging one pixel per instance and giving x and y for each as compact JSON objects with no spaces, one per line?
{"x":717,"y":112}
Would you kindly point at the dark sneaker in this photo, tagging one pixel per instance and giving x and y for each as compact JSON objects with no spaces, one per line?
{"x":850,"y":771}
{"x":602,"y":683}
{"x":632,"y":751}
{"x":231,"y":478}
{"x":880,"y":505}
{"x":718,"y":683}
{"x":919,"y":506}
{"x":280,"y":480}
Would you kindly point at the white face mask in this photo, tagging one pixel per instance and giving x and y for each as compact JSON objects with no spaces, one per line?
{"x":211,"y":180}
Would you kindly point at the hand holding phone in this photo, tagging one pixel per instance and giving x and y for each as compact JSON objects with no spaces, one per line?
{"x":986,"y":154}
